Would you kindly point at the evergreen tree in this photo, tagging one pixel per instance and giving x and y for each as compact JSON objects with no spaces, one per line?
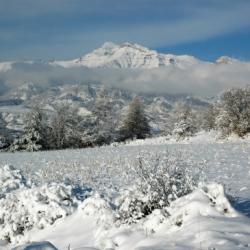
{"x":136,"y":123}
{"x":34,"y":136}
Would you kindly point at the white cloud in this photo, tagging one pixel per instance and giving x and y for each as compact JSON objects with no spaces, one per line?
{"x":205,"y":79}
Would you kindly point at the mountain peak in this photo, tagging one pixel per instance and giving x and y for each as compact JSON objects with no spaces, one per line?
{"x":128,"y":55}
{"x":109,"y":45}
{"x":125,"y":45}
{"x":226,"y":60}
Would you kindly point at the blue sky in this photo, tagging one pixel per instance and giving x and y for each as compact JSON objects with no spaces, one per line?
{"x":65,"y":29}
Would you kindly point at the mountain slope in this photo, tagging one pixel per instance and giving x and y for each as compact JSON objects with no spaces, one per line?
{"x":127,"y":55}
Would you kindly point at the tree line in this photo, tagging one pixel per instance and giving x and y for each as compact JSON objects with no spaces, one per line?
{"x":65,"y":128}
{"x":230,"y":114}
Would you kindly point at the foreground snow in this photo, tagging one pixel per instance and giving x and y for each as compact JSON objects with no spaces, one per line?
{"x":53,"y":213}
{"x":69,"y":198}
{"x":202,"y":220}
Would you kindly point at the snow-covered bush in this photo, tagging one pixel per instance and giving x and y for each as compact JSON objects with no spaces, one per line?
{"x":97,"y":206}
{"x":10,"y":179}
{"x":27,"y":208}
{"x":159,"y":182}
{"x":133,"y":205}
{"x":23,"y":208}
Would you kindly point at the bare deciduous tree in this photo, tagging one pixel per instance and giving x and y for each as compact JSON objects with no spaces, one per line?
{"x":104,"y":119}
{"x":64,"y":127}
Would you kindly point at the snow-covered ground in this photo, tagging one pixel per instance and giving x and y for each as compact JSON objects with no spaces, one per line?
{"x":67,"y":197}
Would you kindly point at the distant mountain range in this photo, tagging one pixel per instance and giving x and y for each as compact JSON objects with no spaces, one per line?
{"x":123,"y":56}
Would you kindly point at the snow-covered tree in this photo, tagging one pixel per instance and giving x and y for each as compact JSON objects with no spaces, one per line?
{"x":184,"y":121}
{"x":234,"y":112}
{"x":208,"y":117}
{"x":64,"y":127}
{"x":89,"y":132}
{"x":103,"y":129}
{"x":4,"y":137}
{"x":135,"y":124}
{"x":34,"y":136}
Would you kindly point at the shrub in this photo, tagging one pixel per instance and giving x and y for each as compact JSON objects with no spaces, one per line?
{"x":159,"y":181}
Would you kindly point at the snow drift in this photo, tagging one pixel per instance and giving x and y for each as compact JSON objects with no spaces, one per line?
{"x":51,"y":217}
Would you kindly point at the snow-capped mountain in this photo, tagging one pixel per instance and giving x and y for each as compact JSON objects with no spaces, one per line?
{"x":123,"y":56}
{"x":226,"y":60}
{"x":127,"y":55}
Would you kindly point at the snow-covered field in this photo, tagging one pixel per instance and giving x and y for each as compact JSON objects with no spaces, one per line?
{"x":70,"y":197}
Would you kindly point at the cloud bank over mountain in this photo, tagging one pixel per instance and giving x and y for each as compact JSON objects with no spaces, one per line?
{"x":203,"y":79}
{"x":132,"y":67}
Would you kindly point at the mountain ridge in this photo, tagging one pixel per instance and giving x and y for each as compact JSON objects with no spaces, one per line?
{"x":127,"y":55}
{"x":124,"y":56}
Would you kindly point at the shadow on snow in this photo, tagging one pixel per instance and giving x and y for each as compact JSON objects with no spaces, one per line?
{"x":242,"y":205}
